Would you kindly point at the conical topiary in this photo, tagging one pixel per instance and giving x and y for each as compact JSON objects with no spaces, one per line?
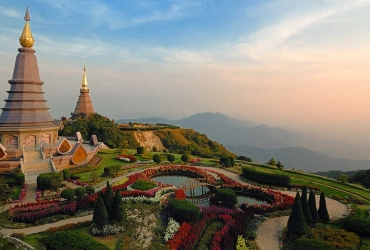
{"x":296,"y":222}
{"x":100,"y":216}
{"x":120,"y":214}
{"x":313,"y":208}
{"x":109,"y":201}
{"x":305,"y":209}
{"x":323,"y":211}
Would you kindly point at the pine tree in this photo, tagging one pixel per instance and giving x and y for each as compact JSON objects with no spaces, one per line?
{"x":296,"y":222}
{"x":312,"y":206}
{"x":100,"y":216}
{"x":119,"y":210}
{"x":305,"y":209}
{"x":323,"y":211}
{"x":109,"y":201}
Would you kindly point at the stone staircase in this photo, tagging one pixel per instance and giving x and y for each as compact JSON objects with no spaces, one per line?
{"x":35,"y":165}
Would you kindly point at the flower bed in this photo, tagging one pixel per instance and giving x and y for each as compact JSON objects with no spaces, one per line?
{"x":79,"y":183}
{"x":126,"y":158}
{"x":22,"y":194}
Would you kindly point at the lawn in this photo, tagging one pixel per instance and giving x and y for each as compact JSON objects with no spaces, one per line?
{"x":304,"y":179}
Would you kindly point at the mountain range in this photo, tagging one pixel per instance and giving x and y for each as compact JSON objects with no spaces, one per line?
{"x":299,"y":150}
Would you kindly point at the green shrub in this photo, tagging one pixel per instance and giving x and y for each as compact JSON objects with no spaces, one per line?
{"x":120,"y":214}
{"x":226,"y":196}
{"x":108,"y":170}
{"x":323,"y":211}
{"x":80,"y":192}
{"x":90,"y":190}
{"x":10,"y":181}
{"x":47,"y":181}
{"x":170,"y":157}
{"x":183,"y":211}
{"x":207,"y":237}
{"x":66,"y":174}
{"x":72,"y":240}
{"x":338,"y":238}
{"x":140,"y":150}
{"x":84,"y":169}
{"x":185,"y":158}
{"x":20,"y":179}
{"x":157,"y":158}
{"x":308,"y":244}
{"x":360,"y":227}
{"x":266,"y":178}
{"x":68,"y":194}
{"x":100,"y":216}
{"x":75,"y":177}
{"x":296,"y":223}
{"x":143,"y":185}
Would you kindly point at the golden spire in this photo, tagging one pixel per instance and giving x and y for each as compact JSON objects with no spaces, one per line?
{"x":26,"y":39}
{"x":84,"y":80}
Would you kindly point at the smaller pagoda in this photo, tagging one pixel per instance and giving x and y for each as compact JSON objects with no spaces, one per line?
{"x":84,"y":106}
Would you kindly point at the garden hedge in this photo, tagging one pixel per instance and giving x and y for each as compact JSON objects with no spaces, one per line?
{"x":66,"y":174}
{"x":183,"y":211}
{"x":143,"y":185}
{"x":68,"y":194}
{"x":47,"y":181}
{"x":10,"y":181}
{"x":266,"y":178}
{"x":308,"y":244}
{"x":72,"y":240}
{"x":90,"y":190}
{"x":20,"y":179}
{"x":360,"y":227}
{"x":80,"y":192}
{"x":226,"y":196}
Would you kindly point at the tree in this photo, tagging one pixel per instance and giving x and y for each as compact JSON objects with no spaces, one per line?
{"x":232,"y":161}
{"x":296,"y":222}
{"x":244,"y":158}
{"x":109,"y":201}
{"x":116,"y":168}
{"x":120,"y":214}
{"x":312,"y":206}
{"x":271,"y":162}
{"x":157,"y":158}
{"x":154,"y":149}
{"x":170,"y":157}
{"x":323,"y":211}
{"x":362,"y":177}
{"x":225,"y":161}
{"x":140,"y":150}
{"x":305,"y":208}
{"x":100,"y":216}
{"x":343,"y":178}
{"x":279,"y":165}
{"x":185,"y":158}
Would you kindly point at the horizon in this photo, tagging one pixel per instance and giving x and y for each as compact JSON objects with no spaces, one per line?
{"x":290,"y":64}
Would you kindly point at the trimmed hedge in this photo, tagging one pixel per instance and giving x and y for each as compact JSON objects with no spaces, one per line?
{"x":20,"y":179}
{"x":226,"y":196}
{"x":266,"y":178}
{"x":72,"y":240}
{"x":66,"y":174}
{"x":308,"y":244}
{"x":360,"y":227}
{"x":68,"y":194}
{"x":143,"y":185}
{"x":10,"y":182}
{"x":80,"y":192}
{"x":47,"y":181}
{"x":90,"y":190}
{"x":183,"y":211}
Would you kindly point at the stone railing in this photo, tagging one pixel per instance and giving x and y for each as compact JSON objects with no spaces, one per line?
{"x":52,"y":165}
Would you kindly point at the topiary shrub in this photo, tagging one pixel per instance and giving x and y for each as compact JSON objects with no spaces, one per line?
{"x":108,"y":170}
{"x":75,"y":177}
{"x":143,"y":185}
{"x":140,"y":150}
{"x":157,"y":158}
{"x":66,"y":174}
{"x":360,"y":227}
{"x":80,"y":192}
{"x":184,"y":158}
{"x":323,"y":211}
{"x":120,"y":214}
{"x":20,"y":179}
{"x":226,"y":196}
{"x":10,"y":182}
{"x":47,"y":181}
{"x":297,"y":225}
{"x":100,"y":216}
{"x":68,"y":194}
{"x":72,"y":240}
{"x":90,"y":190}
{"x":183,"y":211}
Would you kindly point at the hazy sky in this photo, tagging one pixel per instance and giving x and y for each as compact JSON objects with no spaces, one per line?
{"x":298,"y":64}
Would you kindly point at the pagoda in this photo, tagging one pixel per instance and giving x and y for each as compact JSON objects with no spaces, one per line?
{"x":25,"y":120}
{"x":84,"y":106}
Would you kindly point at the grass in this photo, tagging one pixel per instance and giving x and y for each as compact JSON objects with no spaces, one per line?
{"x":35,"y":240}
{"x":143,"y":185}
{"x":304,"y":179}
{"x":15,"y":192}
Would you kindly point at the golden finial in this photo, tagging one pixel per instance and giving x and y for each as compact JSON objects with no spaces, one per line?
{"x":26,"y":39}
{"x":84,"y":80}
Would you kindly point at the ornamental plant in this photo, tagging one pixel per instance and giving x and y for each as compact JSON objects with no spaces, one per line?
{"x":312,"y":207}
{"x":119,"y":212}
{"x":180,"y":194}
{"x":305,"y":208}
{"x":296,"y":222}
{"x":226,"y":196}
{"x":109,"y":201}
{"x":323,"y":211}
{"x":100,"y":216}
{"x":80,"y":192}
{"x":68,"y":194}
{"x":183,"y":211}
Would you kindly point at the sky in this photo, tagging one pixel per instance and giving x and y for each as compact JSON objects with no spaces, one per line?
{"x":303,"y":65}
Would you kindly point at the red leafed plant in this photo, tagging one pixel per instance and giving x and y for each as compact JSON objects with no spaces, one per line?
{"x":180,"y":194}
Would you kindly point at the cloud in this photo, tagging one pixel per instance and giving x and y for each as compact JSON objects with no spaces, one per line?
{"x":10,"y":12}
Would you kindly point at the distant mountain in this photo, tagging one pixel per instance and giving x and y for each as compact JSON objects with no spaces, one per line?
{"x":235,"y":132}
{"x":300,"y":158}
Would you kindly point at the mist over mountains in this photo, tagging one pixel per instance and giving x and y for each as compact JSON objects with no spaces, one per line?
{"x":299,"y":150}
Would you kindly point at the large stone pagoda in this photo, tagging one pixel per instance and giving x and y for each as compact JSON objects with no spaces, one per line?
{"x":84,"y":106}
{"x":25,"y":119}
